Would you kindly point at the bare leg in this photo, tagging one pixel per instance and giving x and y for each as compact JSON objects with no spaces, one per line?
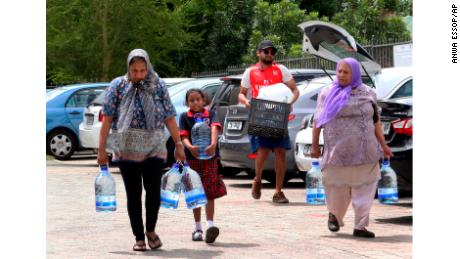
{"x":210,"y":210}
{"x":197,"y":214}
{"x":262,"y":154}
{"x":280,"y":167}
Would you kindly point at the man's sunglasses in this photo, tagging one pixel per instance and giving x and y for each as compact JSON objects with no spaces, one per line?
{"x":269,"y":50}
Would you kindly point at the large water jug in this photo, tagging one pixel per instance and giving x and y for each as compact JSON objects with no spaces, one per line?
{"x":171,"y":188}
{"x":314,"y":182}
{"x":388,"y":184}
{"x":192,"y":187}
{"x":201,"y":137}
{"x":276,"y":93}
{"x":104,"y":186}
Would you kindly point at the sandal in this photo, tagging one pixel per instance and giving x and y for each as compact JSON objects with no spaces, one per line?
{"x":139,"y":247}
{"x":154,"y":243}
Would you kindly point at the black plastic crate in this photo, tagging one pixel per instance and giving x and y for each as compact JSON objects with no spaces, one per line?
{"x":268,"y":119}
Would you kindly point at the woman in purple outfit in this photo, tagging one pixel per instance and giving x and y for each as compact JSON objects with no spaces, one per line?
{"x":353,"y":144}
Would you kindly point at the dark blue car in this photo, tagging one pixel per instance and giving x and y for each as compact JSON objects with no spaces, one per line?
{"x":64,"y":112}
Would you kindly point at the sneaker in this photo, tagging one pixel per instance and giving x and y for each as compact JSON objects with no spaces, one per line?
{"x":279,"y":197}
{"x":333,"y":223}
{"x":197,"y":235}
{"x":256,"y":186}
{"x":363,"y":233}
{"x":211,"y":234}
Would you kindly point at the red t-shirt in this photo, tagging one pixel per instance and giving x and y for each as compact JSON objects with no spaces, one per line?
{"x":256,"y":78}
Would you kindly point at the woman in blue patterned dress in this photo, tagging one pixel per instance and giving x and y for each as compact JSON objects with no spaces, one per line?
{"x":136,"y":108}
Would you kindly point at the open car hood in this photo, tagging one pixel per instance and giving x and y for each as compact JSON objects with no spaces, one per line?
{"x":333,"y":43}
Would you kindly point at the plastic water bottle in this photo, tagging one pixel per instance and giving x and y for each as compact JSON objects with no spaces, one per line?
{"x":171,"y":188}
{"x":105,"y":191}
{"x":388,"y":184}
{"x":314,"y":182}
{"x":193,"y":189}
{"x":201,"y":137}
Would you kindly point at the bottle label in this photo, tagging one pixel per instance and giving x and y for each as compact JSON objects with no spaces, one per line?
{"x":106,"y":201}
{"x":194,"y":195}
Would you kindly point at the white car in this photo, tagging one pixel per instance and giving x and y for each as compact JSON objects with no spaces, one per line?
{"x":92,"y":118}
{"x":392,"y":84}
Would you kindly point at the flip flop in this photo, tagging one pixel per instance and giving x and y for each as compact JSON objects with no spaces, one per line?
{"x":153,"y":241}
{"x":139,"y":248}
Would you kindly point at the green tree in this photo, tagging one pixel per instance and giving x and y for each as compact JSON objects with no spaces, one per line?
{"x":372,"y":20}
{"x":89,"y":40}
{"x":222,"y":29}
{"x":278,"y":23}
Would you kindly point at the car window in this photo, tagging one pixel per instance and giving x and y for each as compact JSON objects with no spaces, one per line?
{"x":211,"y":90}
{"x":83,"y":97}
{"x":224,"y":93}
{"x":99,"y":99}
{"x":404,"y":91}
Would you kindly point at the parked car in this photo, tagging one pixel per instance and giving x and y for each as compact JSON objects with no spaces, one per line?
{"x":234,"y":146}
{"x":393,"y":85}
{"x":64,"y":112}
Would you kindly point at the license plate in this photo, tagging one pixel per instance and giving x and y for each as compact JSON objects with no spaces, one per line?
{"x":89,"y":119}
{"x":386,"y":127}
{"x":235,"y":125}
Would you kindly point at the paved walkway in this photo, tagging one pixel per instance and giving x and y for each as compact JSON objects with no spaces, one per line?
{"x":249,"y":228}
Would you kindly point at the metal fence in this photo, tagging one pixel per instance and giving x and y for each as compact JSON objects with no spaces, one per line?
{"x":382,"y":53}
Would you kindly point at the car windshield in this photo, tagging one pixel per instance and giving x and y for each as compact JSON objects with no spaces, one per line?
{"x":53,"y":93}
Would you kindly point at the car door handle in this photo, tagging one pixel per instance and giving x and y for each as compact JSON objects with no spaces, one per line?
{"x":75,"y":113}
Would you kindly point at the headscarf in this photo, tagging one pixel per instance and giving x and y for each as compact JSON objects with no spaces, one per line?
{"x":145,"y":88}
{"x":339,"y":95}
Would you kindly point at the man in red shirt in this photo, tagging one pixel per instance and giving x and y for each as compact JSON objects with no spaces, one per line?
{"x":265,"y":73}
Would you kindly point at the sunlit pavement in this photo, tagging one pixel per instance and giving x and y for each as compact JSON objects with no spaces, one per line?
{"x":249,"y":228}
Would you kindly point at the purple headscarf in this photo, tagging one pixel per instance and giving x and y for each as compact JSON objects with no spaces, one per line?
{"x":339,"y":95}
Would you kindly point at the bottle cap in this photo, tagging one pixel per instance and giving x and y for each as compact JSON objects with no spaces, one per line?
{"x":315,"y":162}
{"x":104,"y":168}
{"x":386,"y":161}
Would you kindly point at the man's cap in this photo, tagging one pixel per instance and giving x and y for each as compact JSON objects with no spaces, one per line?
{"x":266,"y":44}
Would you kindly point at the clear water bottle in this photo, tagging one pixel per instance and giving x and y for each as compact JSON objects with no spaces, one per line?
{"x":314,"y":182}
{"x":171,"y":188}
{"x":388,"y":184}
{"x":105,"y":191}
{"x":201,"y":137}
{"x":193,"y":189}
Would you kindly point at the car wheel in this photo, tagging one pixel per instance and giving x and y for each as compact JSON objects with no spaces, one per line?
{"x":61,"y":144}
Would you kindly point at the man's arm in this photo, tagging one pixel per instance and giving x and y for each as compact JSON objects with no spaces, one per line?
{"x":242,"y":97}
{"x":292,"y":85}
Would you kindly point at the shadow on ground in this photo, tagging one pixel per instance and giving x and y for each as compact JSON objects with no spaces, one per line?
{"x":175,"y":253}
{"x":405,"y":220}
{"x":377,"y":239}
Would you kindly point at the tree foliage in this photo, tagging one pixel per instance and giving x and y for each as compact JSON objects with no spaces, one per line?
{"x":89,"y":40}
